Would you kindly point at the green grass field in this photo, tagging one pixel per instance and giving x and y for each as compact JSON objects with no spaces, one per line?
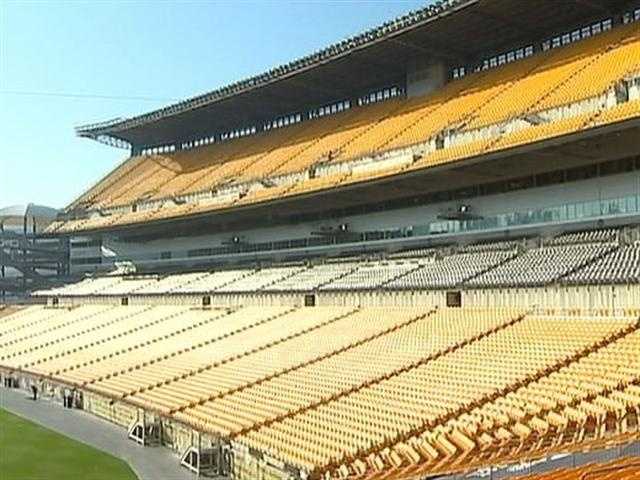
{"x":31,"y":452}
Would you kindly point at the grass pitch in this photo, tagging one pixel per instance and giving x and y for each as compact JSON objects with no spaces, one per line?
{"x":31,"y":452}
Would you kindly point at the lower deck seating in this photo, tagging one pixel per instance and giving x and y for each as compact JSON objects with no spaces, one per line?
{"x":313,"y":278}
{"x":451,"y":271}
{"x":7,"y":310}
{"x":351,"y":392}
{"x":619,"y":266}
{"x":431,"y":392}
{"x":372,"y":275}
{"x":583,"y":258}
{"x":542,"y":266}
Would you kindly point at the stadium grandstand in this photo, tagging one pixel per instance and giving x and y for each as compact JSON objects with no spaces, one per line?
{"x":413,"y":254}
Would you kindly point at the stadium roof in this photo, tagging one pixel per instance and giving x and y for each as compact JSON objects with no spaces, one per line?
{"x":458,"y":32}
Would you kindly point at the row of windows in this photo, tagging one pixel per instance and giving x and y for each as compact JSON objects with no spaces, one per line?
{"x":158,"y":150}
{"x":459,"y":72}
{"x":380,"y":95}
{"x":238,"y":133}
{"x":496,"y":61}
{"x":577,"y":35}
{"x":505,"y":58}
{"x":555,"y":42}
{"x":331,"y":109}
{"x":198,"y":143}
{"x":283,"y":121}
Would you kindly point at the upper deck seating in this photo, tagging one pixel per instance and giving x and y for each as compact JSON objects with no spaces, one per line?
{"x":488,"y":111}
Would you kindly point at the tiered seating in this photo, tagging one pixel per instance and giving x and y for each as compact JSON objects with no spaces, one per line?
{"x":260,"y":279}
{"x":200,"y":333}
{"x":404,"y":340}
{"x":369,"y":392}
{"x":6,"y":310}
{"x":179,"y":333}
{"x":552,"y":83}
{"x":62,"y":320}
{"x":576,"y":258}
{"x":92,"y":196}
{"x":24,"y":321}
{"x":210,"y":282}
{"x":158,"y":326}
{"x":312,"y":278}
{"x":424,"y":253}
{"x":263,"y":327}
{"x":619,"y":266}
{"x":509,"y":245}
{"x":555,"y":412}
{"x":430,"y":392}
{"x":609,"y":235}
{"x":475,"y":108}
{"x":450,"y":271}
{"x":71,"y":340}
{"x":541,"y":266}
{"x":372,"y":275}
{"x":341,"y":130}
{"x":88,"y":286}
{"x":342,"y":332}
{"x":127,"y":286}
{"x":622,"y":469}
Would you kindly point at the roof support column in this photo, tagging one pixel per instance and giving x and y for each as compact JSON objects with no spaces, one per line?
{"x":425,"y":76}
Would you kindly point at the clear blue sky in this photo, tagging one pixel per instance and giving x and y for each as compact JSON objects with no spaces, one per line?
{"x":159,"y":50}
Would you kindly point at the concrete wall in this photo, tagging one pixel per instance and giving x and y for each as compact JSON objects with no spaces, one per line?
{"x":586,"y":298}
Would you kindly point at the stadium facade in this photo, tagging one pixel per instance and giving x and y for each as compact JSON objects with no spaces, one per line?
{"x":413,"y":253}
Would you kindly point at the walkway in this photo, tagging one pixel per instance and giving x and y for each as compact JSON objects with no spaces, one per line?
{"x":149,"y":463}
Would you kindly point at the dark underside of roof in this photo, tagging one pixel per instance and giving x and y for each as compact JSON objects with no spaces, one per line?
{"x":582,"y":149}
{"x":462,"y":36}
